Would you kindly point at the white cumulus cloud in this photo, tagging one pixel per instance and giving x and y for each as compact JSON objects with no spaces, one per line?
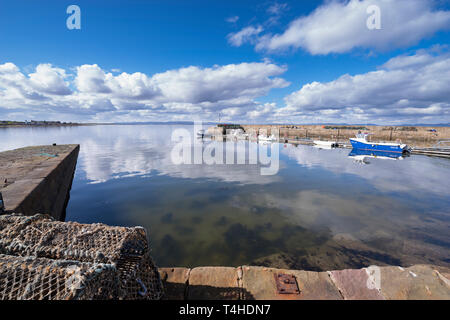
{"x":408,"y":85}
{"x":50,"y":80}
{"x":247,"y":34}
{"x":340,"y":26}
{"x":95,"y":94}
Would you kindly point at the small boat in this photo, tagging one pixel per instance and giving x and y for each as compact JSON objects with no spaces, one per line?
{"x":238,"y":134}
{"x":267,"y":138}
{"x":201,"y":133}
{"x":326,"y":144}
{"x":360,"y":142}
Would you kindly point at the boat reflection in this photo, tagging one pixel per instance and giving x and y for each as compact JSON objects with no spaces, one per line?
{"x":363,"y":156}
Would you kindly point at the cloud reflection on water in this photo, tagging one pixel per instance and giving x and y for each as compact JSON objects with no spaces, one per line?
{"x":317,"y":195}
{"x":408,"y":175}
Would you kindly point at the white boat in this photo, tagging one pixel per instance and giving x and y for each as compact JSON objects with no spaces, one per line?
{"x":201,"y":133}
{"x":267,"y":138}
{"x":237,"y":134}
{"x":327,"y":144}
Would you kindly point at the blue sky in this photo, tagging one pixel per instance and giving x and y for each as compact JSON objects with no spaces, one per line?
{"x":251,"y":61}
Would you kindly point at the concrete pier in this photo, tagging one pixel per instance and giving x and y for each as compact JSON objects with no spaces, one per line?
{"x":418,"y":282}
{"x":38,"y":179}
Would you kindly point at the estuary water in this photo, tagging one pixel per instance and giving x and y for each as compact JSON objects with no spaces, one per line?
{"x":322,"y":210}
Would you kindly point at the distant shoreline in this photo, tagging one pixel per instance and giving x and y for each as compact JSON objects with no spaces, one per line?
{"x":20,"y":124}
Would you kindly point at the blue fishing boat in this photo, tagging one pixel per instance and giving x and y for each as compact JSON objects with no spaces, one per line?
{"x":360,"y":142}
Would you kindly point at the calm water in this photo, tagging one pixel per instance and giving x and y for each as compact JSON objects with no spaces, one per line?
{"x":321,"y":211}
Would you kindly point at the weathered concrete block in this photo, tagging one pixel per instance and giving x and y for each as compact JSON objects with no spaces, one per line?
{"x":259,"y":283}
{"x":175,"y":281}
{"x":218,"y":283}
{"x":38,"y":179}
{"x":355,"y":285}
{"x":247,"y":283}
{"x":316,"y":285}
{"x":419,"y":282}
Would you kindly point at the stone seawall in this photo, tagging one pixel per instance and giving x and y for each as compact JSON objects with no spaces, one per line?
{"x":418,"y":282}
{"x":38,"y":179}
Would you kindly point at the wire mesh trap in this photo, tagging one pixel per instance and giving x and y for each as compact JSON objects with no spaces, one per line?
{"x":28,"y":278}
{"x":124,"y":251}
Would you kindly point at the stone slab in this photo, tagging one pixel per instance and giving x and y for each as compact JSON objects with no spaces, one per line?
{"x":419,"y":282}
{"x":259,"y":283}
{"x":247,"y":283}
{"x":355,"y":285}
{"x":214,"y":283}
{"x":316,"y":286}
{"x":175,"y":281}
